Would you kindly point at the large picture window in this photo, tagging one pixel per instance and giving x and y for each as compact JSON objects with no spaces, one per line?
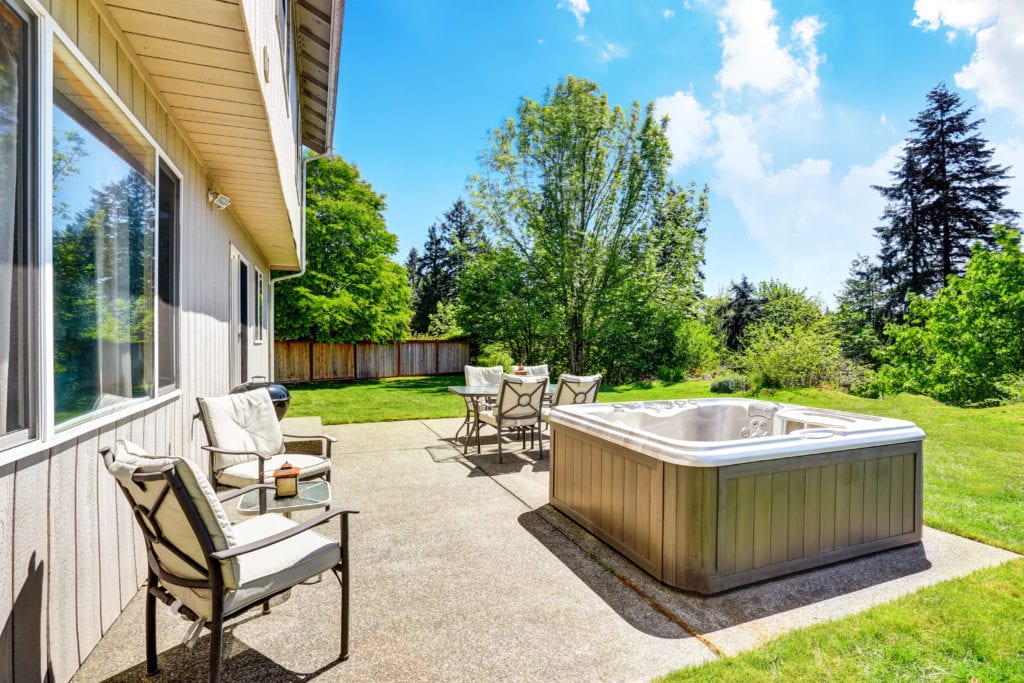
{"x":17,"y":235}
{"x":104,"y":229}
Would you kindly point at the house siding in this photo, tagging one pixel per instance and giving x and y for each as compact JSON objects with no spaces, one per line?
{"x":71,"y":556}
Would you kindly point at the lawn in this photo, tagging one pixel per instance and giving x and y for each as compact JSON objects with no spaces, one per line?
{"x":974,"y":487}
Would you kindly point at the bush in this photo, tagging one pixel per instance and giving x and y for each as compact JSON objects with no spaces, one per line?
{"x":803,"y":356}
{"x":667,"y":374}
{"x":729,"y":385}
{"x":697,"y":349}
{"x":495,"y":353}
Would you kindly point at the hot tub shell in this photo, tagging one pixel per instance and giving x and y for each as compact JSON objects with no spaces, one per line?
{"x":710,"y":494}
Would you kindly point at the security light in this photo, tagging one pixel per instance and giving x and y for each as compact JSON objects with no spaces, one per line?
{"x":221,"y":201}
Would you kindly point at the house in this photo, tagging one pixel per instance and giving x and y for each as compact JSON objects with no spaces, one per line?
{"x":151,"y":178}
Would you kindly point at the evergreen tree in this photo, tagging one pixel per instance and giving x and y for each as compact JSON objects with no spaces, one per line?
{"x":947,"y":193}
{"x":451,"y":244}
{"x":743,"y":308}
{"x":862,"y":314}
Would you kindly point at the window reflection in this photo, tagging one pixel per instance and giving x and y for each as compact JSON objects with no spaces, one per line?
{"x":17,"y":240}
{"x":103,"y":255}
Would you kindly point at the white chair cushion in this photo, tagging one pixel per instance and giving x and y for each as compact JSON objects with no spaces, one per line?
{"x":247,"y":473}
{"x":490,"y":418}
{"x":537,"y":370}
{"x":129,"y":458}
{"x":241,"y":422}
{"x":264,"y":572}
{"x":482,"y":376}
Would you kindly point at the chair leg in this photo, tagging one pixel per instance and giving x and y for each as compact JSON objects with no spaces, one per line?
{"x":152,"y":667}
{"x":344,"y":588}
{"x":500,"y":460}
{"x":216,"y":645}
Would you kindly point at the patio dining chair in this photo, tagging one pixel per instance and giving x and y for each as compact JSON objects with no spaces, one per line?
{"x":519,"y":405}
{"x":207,"y":568}
{"x":477,"y":376}
{"x":246,"y":443}
{"x":575,"y":389}
{"x":537,"y":370}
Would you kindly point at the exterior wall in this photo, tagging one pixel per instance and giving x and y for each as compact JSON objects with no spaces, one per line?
{"x":71,"y":556}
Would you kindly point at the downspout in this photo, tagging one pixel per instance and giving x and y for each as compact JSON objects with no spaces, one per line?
{"x":329,"y":154}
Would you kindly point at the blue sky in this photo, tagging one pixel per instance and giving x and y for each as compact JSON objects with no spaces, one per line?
{"x":788,"y":110}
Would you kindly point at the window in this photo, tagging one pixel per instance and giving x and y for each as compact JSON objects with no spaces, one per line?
{"x":18,"y":271}
{"x":104,"y":230}
{"x":167,"y":278}
{"x":258,"y":308}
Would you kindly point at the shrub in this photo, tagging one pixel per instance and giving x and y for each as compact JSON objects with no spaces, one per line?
{"x":729,"y":385}
{"x":697,"y":349}
{"x":495,"y":353}
{"x":667,"y":374}
{"x":803,"y":356}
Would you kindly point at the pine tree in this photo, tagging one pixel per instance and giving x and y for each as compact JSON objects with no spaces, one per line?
{"x":743,"y":308}
{"x":450,"y":245}
{"x":946,"y":195}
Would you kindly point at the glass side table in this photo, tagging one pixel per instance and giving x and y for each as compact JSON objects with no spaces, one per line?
{"x":313,"y":493}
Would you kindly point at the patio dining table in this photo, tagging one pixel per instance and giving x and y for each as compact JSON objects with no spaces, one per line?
{"x":474,"y":395}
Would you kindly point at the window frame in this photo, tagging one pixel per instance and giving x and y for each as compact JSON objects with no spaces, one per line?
{"x":27,"y":218}
{"x":259,"y":306}
{"x":163,"y":163}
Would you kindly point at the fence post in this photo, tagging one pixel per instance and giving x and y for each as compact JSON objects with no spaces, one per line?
{"x":399,"y":346}
{"x":310,"y":360}
{"x":437,"y":357}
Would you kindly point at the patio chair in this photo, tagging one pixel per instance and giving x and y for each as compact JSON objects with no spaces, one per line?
{"x":520,"y":400}
{"x":537,"y":370}
{"x":246,"y":443}
{"x":207,"y":568}
{"x":477,"y":376}
{"x":574,"y":389}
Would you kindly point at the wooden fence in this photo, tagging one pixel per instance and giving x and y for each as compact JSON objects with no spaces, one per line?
{"x":304,"y":361}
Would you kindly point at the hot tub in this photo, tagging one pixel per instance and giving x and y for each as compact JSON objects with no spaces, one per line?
{"x":709,"y":494}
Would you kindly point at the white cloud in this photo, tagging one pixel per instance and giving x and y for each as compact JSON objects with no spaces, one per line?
{"x":997,"y":27}
{"x":882,"y":120}
{"x":669,"y":13}
{"x":753,"y":58}
{"x":809,"y":220}
{"x":612,"y":51}
{"x":540,"y":41}
{"x":689,"y":127}
{"x":579,"y":9}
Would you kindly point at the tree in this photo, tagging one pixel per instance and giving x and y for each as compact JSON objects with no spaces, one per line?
{"x":569,"y":185}
{"x":862,"y":315}
{"x":451,"y":244}
{"x":966,"y":346}
{"x":946,"y":195}
{"x":742,"y":309}
{"x":352,"y":290}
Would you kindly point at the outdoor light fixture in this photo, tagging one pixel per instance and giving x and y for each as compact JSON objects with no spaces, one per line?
{"x":221,"y":201}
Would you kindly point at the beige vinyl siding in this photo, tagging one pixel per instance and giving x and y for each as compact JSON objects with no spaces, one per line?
{"x":71,"y":556}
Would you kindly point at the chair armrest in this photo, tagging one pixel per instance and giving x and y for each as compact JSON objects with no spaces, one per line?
{"x":235,"y":493}
{"x":322,"y":518}
{"x":311,"y":436}
{"x":224,"y":451}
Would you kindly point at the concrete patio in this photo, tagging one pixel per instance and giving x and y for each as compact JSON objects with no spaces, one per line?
{"x":462,"y":571}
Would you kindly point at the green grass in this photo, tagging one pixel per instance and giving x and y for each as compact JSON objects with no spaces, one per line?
{"x":974,"y":487}
{"x":966,"y":629}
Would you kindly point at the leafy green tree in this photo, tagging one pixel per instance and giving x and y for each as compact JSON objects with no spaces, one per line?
{"x":499,"y":302}
{"x":352,"y":290}
{"x":965,"y":347}
{"x":569,"y":186}
{"x":946,"y":195}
